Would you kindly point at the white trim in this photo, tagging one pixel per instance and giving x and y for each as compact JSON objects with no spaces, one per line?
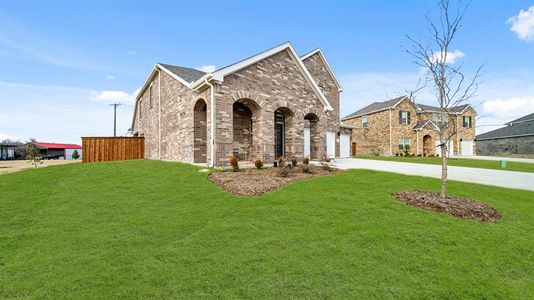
{"x":423,"y":126}
{"x":221,"y":73}
{"x":323,"y":58}
{"x":159,"y":114}
{"x":503,"y":137}
{"x":347,"y":126}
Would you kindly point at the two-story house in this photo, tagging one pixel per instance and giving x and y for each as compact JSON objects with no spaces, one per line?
{"x":384,"y":128}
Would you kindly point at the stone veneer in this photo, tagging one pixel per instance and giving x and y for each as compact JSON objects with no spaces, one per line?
{"x":263,"y":87}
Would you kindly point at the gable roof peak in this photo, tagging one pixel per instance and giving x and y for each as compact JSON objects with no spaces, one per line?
{"x":377,"y":107}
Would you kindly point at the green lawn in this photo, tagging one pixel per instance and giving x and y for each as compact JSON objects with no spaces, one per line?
{"x":460,"y":162}
{"x":151,"y":229}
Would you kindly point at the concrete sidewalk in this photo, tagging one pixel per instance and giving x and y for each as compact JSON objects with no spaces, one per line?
{"x":506,"y":179}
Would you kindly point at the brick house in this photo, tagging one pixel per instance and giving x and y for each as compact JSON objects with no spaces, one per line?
{"x":272,"y":104}
{"x":383,"y":128}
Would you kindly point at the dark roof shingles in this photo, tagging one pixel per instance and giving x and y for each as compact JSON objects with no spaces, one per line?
{"x":374,"y":107}
{"x":187,"y":74}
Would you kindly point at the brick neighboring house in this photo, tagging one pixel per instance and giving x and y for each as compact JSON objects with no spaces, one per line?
{"x":383,"y":128}
{"x":272,"y":104}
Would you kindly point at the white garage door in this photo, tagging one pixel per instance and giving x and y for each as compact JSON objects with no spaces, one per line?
{"x":344,"y":145}
{"x":331,"y":144}
{"x":307,"y":144}
{"x":467,"y":147}
{"x":450,"y":148}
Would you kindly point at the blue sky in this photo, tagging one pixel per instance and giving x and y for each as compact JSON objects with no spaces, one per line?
{"x":62,"y":62}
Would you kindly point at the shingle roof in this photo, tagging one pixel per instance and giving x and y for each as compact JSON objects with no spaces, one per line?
{"x":375,"y":107}
{"x":529,"y":117}
{"x":421,"y":124}
{"x":516,"y":129}
{"x":429,"y":108}
{"x":187,"y":74}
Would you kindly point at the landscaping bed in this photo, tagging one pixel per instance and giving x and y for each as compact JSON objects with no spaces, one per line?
{"x":453,"y":205}
{"x":254,"y":182}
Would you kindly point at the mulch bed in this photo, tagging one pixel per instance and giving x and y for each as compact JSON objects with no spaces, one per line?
{"x":254,"y":182}
{"x":453,"y":205}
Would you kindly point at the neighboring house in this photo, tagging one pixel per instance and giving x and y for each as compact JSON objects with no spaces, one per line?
{"x":516,"y":138}
{"x":52,"y":150}
{"x":7,"y":151}
{"x":269,"y":105}
{"x":383,"y":128}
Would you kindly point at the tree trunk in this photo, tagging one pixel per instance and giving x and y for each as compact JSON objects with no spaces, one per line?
{"x":443,"y":170}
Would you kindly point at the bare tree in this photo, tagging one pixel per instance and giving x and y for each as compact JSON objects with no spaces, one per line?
{"x":451,"y":87}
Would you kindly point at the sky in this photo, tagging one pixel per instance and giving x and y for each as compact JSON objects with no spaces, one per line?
{"x":63,"y":62}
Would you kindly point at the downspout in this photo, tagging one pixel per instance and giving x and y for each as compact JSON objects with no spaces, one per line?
{"x":212,"y":138}
{"x":417,"y":142}
{"x":159,"y":114}
{"x":390,"y":150}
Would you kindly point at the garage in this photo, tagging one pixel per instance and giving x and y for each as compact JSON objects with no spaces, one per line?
{"x":344,"y":145}
{"x":466,"y":148}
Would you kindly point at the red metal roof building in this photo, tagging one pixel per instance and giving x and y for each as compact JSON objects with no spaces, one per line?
{"x":56,"y":150}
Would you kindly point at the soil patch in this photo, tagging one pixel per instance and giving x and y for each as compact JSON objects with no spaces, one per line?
{"x":452,"y":205}
{"x":254,"y":182}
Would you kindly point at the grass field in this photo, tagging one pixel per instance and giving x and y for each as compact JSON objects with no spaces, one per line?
{"x":151,"y":229}
{"x":460,"y":162}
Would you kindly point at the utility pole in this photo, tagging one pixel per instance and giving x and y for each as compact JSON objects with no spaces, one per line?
{"x":115,"y":118}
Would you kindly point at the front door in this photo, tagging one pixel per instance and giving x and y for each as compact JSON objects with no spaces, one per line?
{"x":279,"y":139}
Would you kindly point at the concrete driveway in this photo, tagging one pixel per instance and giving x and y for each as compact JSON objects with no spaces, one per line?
{"x":507,"y":179}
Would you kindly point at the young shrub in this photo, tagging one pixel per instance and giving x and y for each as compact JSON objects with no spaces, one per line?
{"x":33,"y":153}
{"x":234,"y":162}
{"x":406,"y":150}
{"x":258,"y":163}
{"x":306,"y":169}
{"x":281,"y":162}
{"x":284,"y":172}
{"x":397,"y":154}
{"x":326,"y":168}
{"x":294,"y":162}
{"x":306,"y":161}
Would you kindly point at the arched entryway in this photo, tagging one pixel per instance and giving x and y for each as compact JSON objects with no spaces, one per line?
{"x":311,"y":136}
{"x":200,"y":132}
{"x":245,"y":114}
{"x":428,"y":145}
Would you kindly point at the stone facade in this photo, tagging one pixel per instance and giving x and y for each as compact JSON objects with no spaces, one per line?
{"x":523,"y":145}
{"x":379,"y":139}
{"x":246,"y":103}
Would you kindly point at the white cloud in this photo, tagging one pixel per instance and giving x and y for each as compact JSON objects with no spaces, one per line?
{"x":207,"y":68}
{"x":110,"y":77}
{"x":451,"y":56}
{"x":510,"y":108}
{"x":523,"y":24}
{"x":112,"y":97}
{"x":132,"y":52}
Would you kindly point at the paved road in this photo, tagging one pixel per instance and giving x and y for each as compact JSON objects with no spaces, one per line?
{"x":507,"y":179}
{"x":525,"y":160}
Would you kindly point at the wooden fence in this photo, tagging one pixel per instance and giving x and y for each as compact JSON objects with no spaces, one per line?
{"x":96,"y":149}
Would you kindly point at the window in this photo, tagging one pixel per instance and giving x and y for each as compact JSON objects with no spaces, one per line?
{"x":467,"y":121}
{"x":139,"y":107}
{"x":150,"y":95}
{"x":404,"y":117}
{"x":364,"y":121}
{"x":403,"y":142}
{"x":440,"y":118}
